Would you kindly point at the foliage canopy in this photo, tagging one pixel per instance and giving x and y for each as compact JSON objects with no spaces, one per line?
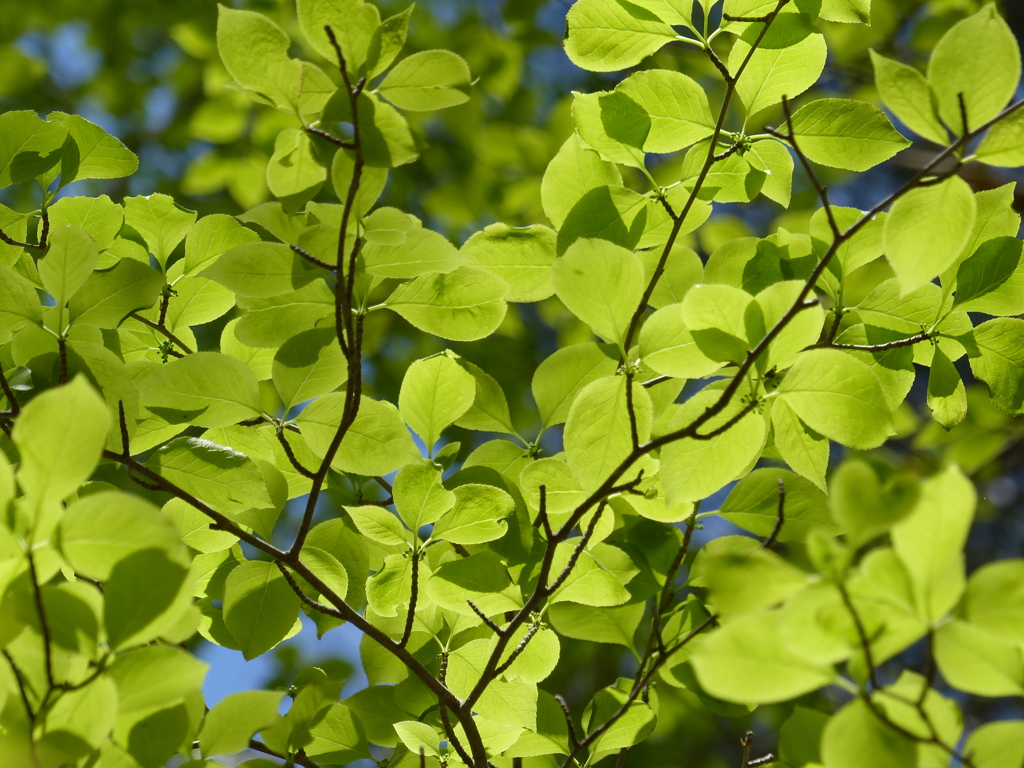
{"x":199,"y":444}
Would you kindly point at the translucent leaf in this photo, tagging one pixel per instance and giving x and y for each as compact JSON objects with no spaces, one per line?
{"x":609,"y":35}
{"x":464,"y":305}
{"x":107,"y":297}
{"x":19,"y":303}
{"x":419,"y":495}
{"x":234,"y":720}
{"x":521,"y":256}
{"x":927,"y":229}
{"x":561,"y":376}
{"x":848,"y":134}
{"x":839,"y":397}
{"x":573,"y":172}
{"x":29,"y":147}
{"x":601,"y":284}
{"x":294,"y":172}
{"x":855,"y":736}
{"x":427,"y":81}
{"x":477,"y":515}
{"x":753,"y":504}
{"x":990,"y":281}
{"x":676,"y":106}
{"x":259,"y":607}
{"x":668,"y":347}
{"x":864,"y":506}
{"x":947,"y":396}
{"x":380,"y":525}
{"x":978,"y":662}
{"x":435,"y":392}
{"x":616,"y":626}
{"x":60,"y":436}
{"x":145,"y":593}
{"x":906,"y":92}
{"x":995,"y":598}
{"x":208,"y":389}
{"x":68,"y":263}
{"x":155,"y":677}
{"x":353,"y":23}
{"x":998,"y":360}
{"x":997,"y":745}
{"x":95,"y":154}
{"x":160,"y":221}
{"x":421,"y":252}
{"x":1003,"y":144}
{"x":100,"y":217}
{"x":308,"y":365}
{"x":979,"y":59}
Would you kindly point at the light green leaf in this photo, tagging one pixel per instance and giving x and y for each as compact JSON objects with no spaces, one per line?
{"x":19,"y":303}
{"x":155,"y":677}
{"x":753,"y":504}
{"x":390,"y":588}
{"x":802,"y":448}
{"x":435,"y":392}
{"x":208,"y":389}
{"x":98,"y":216}
{"x":995,"y":599}
{"x":838,"y":396}
{"x":843,"y":133}
{"x":931,"y":539}
{"x":385,"y":136}
{"x":668,"y":347}
{"x":477,"y":515}
{"x":864,"y":506}
{"x":489,"y":411}
{"x":338,"y":737}
{"x":481,"y":578}
{"x":613,"y":124}
{"x":106,"y":298}
{"x":95,"y":154}
{"x":573,"y":172}
{"x":616,"y":626}
{"x":68,"y":262}
{"x":632,"y":727}
{"x":29,"y":146}
{"x":380,"y":525}
{"x":598,"y":430}
{"x":100,"y":530}
{"x":60,"y":436}
{"x":997,"y":745}
{"x":1003,"y":144}
{"x":561,"y":376}
{"x":676,"y":105}
{"x":978,"y":662}
{"x":601,"y":284}
{"x":464,"y":305}
{"x":609,"y":35}
{"x":419,"y":495}
{"x":745,"y":582}
{"x":418,"y":737}
{"x":308,"y":365}
{"x":616,"y":214}
{"x":144,"y":595}
{"x":855,"y":736}
{"x":261,"y":270}
{"x":749,"y":661}
{"x":294,"y":172}
{"x":259,"y":607}
{"x":353,"y":23}
{"x":847,"y":11}
{"x":724,"y":321}
{"x":989,"y":280}
{"x":235,"y":719}
{"x":421,"y":252}
{"x":998,"y":360}
{"x":377,"y":443}
{"x":521,"y":256}
{"x":427,"y":81}
{"x":160,"y":221}
{"x":693,"y":469}
{"x":979,"y":59}
{"x":947,"y":396}
{"x":906,"y":92}
{"x":927,"y":229}
{"x":789,"y":60}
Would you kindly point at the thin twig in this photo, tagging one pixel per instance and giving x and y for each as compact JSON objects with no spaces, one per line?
{"x":329,"y":137}
{"x":311,"y":258}
{"x":519,"y":648}
{"x":493,"y":627}
{"x":162,"y":329}
{"x":780,"y":517}
{"x":410,"y":618}
{"x":44,"y":624}
{"x":290,"y":453}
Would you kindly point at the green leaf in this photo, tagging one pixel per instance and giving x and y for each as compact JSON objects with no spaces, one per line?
{"x":977,"y":58}
{"x":601,"y":284}
{"x":259,"y":607}
{"x":381,"y":526}
{"x":927,"y":229}
{"x":29,"y":146}
{"x":419,"y":495}
{"x":997,"y":745}
{"x":155,"y":677}
{"x":88,"y":713}
{"x":390,"y":588}
{"x":906,"y":92}
{"x":210,"y":237}
{"x":353,"y":23}
{"x":947,"y":396}
{"x":632,"y":727}
{"x":561,"y":376}
{"x":422,"y":251}
{"x":1003,"y":144}
{"x":464,"y":305}
{"x":95,"y":154}
{"x":616,"y":626}
{"x":295,"y":173}
{"x":753,"y":504}
{"x":802,"y":448}
{"x":847,"y":11}
{"x":864,"y":506}
{"x":749,"y":661}
{"x":60,"y":437}
{"x":385,"y":136}
{"x":377,"y":442}
{"x":481,"y":578}
{"x":308,"y":365}
{"x":208,"y":389}
{"x":693,"y":469}
{"x":160,"y":221}
{"x":99,"y":216}
{"x":843,"y":133}
{"x":931,"y":539}
{"x":745,"y":582}
{"x":615,"y":214}
{"x":144,"y":595}
{"x":609,"y":35}
{"x":435,"y":392}
{"x":995,"y":599}
{"x":676,"y":106}
{"x":789,"y":60}
{"x":234,"y":720}
{"x":19,"y":303}
{"x":668,"y":347}
{"x":573,"y":172}
{"x":725,"y":322}
{"x":614,"y":124}
{"x":227,"y":480}
{"x":998,"y":360}
{"x":598,"y":430}
{"x":100,"y":530}
{"x":838,"y":396}
{"x":261,"y":270}
{"x":489,"y":411}
{"x":978,"y":662}
{"x":106,"y":298}
{"x":477,"y":515}
{"x":418,"y":737}
{"x":337,"y":738}
{"x":855,"y":736}
{"x":989,"y":280}
{"x":427,"y":81}
{"x":773,"y":159}
{"x":521,"y":256}
{"x":68,"y":263}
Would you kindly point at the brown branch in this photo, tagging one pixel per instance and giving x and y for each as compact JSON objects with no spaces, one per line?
{"x":290,"y":453}
{"x":907,"y":342}
{"x":162,"y":329}
{"x":780,"y":518}
{"x":329,"y":137}
{"x":518,"y":649}
{"x":18,"y":243}
{"x":5,"y":387}
{"x":44,"y":624}
{"x":410,"y":618}
{"x":311,"y":258}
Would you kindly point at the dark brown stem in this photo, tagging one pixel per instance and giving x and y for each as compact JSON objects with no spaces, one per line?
{"x":290,"y":453}
{"x":329,"y":137}
{"x":410,"y":618}
{"x":18,"y":243}
{"x":518,"y":649}
{"x":62,"y":352}
{"x":780,"y":518}
{"x":22,"y":685}
{"x":311,"y":258}
{"x":44,"y":624}
{"x":162,"y":329}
